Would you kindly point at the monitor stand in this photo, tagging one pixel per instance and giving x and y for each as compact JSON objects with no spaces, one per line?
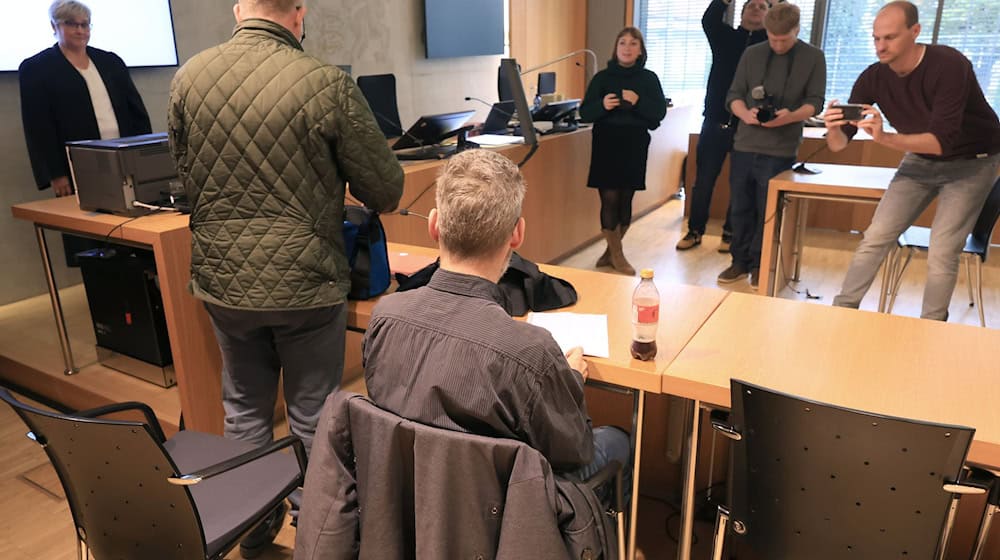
{"x":567,"y":124}
{"x":437,"y":151}
{"x":426,"y":152}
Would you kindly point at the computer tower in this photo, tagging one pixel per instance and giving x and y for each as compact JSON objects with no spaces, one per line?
{"x":127,"y":310}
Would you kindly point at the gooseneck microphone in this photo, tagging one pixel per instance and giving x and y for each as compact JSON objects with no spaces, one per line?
{"x":493,"y":107}
{"x":408,"y":212}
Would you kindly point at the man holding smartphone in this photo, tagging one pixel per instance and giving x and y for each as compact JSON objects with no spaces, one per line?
{"x":951,"y":137}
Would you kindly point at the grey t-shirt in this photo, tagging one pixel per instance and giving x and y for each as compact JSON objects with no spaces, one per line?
{"x":803,"y":83}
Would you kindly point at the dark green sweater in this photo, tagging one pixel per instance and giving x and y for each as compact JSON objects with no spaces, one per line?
{"x":647,"y":113}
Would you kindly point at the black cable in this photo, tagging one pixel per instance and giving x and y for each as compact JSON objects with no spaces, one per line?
{"x":801,"y":167}
{"x":107,"y":238}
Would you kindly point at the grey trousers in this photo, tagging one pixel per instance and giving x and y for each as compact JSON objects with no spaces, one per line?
{"x":307,"y":346}
{"x":961,"y":187}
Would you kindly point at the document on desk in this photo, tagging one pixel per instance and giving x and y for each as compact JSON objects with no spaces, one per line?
{"x":496,"y":139}
{"x":576,"y":329}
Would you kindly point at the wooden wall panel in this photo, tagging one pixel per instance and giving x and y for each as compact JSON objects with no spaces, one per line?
{"x":542,"y":31}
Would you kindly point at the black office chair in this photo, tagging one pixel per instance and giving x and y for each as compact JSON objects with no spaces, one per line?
{"x":813,"y":480}
{"x":917,"y":238}
{"x":407,"y":490}
{"x":380,"y":92}
{"x":135,"y":494}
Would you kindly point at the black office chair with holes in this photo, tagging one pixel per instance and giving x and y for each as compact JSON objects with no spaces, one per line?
{"x":135,"y":494}
{"x":394,"y":488}
{"x":380,"y":92}
{"x":917,"y":238}
{"x":818,"y":481}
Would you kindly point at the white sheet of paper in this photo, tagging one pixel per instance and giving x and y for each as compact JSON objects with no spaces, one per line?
{"x":576,"y":329}
{"x":496,"y":139}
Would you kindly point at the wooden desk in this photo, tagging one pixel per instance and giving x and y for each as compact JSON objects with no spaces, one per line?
{"x":197,"y":362}
{"x":831,"y":215}
{"x":787,"y":205}
{"x":892,"y":365}
{"x":683,"y":310}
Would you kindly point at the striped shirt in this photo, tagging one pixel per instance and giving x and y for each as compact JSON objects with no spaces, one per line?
{"x":448,"y":355}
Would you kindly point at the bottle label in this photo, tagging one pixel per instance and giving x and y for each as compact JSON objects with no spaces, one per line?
{"x":645,"y":313}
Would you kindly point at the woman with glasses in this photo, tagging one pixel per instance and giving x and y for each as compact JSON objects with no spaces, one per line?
{"x":74,"y":92}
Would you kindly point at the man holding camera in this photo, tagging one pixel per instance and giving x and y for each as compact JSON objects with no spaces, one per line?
{"x":777,"y":86}
{"x":716,"y":138}
{"x":951,"y":137}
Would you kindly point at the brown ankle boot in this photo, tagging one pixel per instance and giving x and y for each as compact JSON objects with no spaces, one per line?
{"x":605,"y":258}
{"x":614,"y":239}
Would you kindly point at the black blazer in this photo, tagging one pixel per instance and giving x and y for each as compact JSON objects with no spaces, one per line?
{"x":56,"y":107}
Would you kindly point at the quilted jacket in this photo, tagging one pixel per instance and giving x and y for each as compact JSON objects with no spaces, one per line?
{"x":265,"y":137}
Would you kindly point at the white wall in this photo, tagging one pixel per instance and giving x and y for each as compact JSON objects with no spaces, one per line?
{"x":373,"y":36}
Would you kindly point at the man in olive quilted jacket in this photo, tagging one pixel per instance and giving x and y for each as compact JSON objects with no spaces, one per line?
{"x":265,"y":137}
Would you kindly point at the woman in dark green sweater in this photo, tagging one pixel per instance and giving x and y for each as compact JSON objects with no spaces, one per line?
{"x":624,"y":101}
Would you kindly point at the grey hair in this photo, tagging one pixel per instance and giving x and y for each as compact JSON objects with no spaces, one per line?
{"x":479,"y":197}
{"x":67,"y":10}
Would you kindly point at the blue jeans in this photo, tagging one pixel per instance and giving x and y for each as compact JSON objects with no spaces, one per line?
{"x":610,"y":444}
{"x":714,"y":144}
{"x":961,"y":187}
{"x":749,"y":175}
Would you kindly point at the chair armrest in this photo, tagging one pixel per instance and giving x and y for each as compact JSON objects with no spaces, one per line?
{"x":975,"y":480}
{"x":151,"y":420}
{"x":602,"y":476}
{"x":240,"y":460}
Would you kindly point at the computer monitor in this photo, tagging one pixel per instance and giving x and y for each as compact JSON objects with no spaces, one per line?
{"x":500,"y":115}
{"x":546,"y":83}
{"x":557,"y":110}
{"x":432,"y":129}
{"x":511,"y":76}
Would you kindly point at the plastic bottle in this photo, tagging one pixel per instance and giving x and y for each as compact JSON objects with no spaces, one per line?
{"x":645,"y":317}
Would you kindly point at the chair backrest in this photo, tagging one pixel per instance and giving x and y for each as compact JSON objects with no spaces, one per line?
{"x":813,"y":480}
{"x":115,"y":475}
{"x":987,"y":221}
{"x":380,"y":91}
{"x":546,"y":83}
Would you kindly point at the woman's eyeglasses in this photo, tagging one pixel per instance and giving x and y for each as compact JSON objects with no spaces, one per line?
{"x":81,"y":25}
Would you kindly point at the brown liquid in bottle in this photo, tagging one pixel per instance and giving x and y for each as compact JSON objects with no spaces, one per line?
{"x":644,"y":351}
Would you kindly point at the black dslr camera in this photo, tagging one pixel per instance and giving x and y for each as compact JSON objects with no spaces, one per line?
{"x":764,"y":103}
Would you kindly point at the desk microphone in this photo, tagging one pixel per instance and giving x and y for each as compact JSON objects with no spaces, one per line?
{"x":408,"y":212}
{"x":492,"y":107}
{"x":801,"y":167}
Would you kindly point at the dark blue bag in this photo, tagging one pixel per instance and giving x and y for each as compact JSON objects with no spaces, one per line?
{"x":364,"y":242}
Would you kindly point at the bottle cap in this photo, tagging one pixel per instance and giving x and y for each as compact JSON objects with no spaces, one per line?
{"x":646,"y":273}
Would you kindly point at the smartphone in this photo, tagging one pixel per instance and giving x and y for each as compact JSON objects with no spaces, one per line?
{"x":852,"y":111}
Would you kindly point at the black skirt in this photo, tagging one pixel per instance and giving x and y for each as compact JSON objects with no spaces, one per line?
{"x":618,"y":157}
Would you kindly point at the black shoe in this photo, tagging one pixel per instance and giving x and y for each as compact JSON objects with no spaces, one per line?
{"x":754,"y":277}
{"x":734,"y":273}
{"x":263,"y":534}
{"x":689,"y":241}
